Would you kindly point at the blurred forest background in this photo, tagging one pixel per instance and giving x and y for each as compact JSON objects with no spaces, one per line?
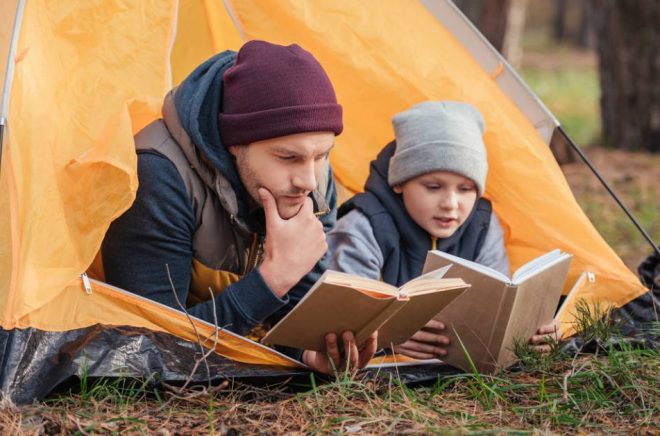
{"x":596,"y":65}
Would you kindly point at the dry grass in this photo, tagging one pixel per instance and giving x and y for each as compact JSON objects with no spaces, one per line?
{"x":614,"y":393}
{"x":634,"y":177}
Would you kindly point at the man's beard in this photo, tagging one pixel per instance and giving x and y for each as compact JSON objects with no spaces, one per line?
{"x":249,"y":178}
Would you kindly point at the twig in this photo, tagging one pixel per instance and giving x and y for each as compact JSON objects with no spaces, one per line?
{"x":183,"y":309}
{"x":177,"y":392}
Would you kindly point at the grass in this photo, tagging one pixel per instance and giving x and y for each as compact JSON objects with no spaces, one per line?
{"x":572,"y":94}
{"x":633,"y":176}
{"x":617,"y":390}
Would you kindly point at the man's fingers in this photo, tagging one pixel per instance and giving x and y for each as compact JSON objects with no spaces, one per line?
{"x":350,"y":349}
{"x":332,"y":349}
{"x":270,"y":206}
{"x":368,"y":350}
{"x":307,"y":208}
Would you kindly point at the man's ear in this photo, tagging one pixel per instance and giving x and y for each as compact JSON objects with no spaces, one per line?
{"x":397,"y":189}
{"x":234,"y":149}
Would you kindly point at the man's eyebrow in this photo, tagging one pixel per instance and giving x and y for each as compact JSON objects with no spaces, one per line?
{"x":284,"y":150}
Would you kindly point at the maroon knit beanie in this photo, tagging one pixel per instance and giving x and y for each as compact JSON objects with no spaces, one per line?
{"x":274,"y":91}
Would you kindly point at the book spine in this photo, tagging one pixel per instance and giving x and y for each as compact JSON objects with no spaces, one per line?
{"x":393,"y":307}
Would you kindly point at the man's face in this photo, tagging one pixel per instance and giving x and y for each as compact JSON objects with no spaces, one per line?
{"x":439,"y":202}
{"x":288,"y":166}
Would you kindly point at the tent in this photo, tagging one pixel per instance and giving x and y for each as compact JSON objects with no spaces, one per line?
{"x":80,"y":78}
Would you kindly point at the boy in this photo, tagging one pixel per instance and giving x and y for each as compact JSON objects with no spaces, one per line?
{"x":424,"y":192}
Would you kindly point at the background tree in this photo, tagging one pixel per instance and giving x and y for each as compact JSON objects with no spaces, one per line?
{"x":501,"y":21}
{"x":628,"y":46}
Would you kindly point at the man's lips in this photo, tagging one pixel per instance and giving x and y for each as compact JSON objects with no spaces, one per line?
{"x":294,"y":198}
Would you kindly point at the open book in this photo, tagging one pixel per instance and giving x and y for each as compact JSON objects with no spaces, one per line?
{"x":497,"y":310}
{"x":340,"y":302}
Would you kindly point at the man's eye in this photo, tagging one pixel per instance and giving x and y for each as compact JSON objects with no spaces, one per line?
{"x":322,"y":157}
{"x":289,"y":158}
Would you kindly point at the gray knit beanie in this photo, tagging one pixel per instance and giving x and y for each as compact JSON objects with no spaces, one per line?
{"x":439,"y":135}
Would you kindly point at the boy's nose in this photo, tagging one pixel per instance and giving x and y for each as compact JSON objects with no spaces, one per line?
{"x":449,"y":201}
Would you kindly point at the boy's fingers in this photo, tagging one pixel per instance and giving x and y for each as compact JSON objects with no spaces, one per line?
{"x":423,"y":347}
{"x":270,"y":206}
{"x":412,"y":353}
{"x":435,"y":325}
{"x":431,"y":338}
{"x":540,"y":339}
{"x":543,"y":349}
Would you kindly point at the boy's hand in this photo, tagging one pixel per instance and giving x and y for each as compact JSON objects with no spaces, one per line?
{"x":292,"y":247}
{"x":332,"y":360}
{"x":428,"y":343}
{"x":544,"y":337}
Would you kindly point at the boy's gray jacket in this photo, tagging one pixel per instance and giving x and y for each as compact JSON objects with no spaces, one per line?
{"x":190,"y":224}
{"x":376,"y":235}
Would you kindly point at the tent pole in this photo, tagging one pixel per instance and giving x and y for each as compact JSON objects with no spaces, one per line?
{"x":2,"y":135}
{"x":593,"y":169}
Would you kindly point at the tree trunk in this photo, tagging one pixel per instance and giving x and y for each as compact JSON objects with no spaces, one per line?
{"x":628,"y":44}
{"x":559,"y":20}
{"x":490,"y":17}
{"x":512,"y":48}
{"x":585,"y":37}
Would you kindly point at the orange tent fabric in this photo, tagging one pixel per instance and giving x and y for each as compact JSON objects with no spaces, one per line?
{"x":88,"y":75}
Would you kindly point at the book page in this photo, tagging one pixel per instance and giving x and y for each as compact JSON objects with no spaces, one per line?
{"x":429,"y":281}
{"x":331,"y":308}
{"x":534,"y":306}
{"x":538,"y":265}
{"x":429,"y":286}
{"x":584,"y":278}
{"x":419,"y":310}
{"x":436,"y":259}
{"x":363,"y":284}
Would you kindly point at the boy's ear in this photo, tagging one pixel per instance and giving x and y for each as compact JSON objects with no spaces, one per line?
{"x":397,"y":189}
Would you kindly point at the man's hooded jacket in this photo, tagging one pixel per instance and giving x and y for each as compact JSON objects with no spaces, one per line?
{"x":193,"y":226}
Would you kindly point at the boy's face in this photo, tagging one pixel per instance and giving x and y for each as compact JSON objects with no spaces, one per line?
{"x":439,"y":202}
{"x":288,"y":166}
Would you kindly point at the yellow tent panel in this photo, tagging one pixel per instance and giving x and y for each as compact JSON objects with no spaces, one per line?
{"x":88,"y":75}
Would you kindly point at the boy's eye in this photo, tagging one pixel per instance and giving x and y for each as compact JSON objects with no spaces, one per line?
{"x":467,"y":188}
{"x":432,"y":187}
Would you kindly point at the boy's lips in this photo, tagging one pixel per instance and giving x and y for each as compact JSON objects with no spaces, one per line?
{"x":445,"y":221}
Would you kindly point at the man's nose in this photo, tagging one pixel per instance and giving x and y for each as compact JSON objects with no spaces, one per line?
{"x":305,"y":178}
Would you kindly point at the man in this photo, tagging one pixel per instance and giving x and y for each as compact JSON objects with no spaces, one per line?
{"x":235,"y":194}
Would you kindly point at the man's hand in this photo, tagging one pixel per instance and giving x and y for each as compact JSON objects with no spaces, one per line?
{"x":332,"y":360}
{"x":545,"y":336}
{"x":292,"y":247}
{"x":428,"y":343}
